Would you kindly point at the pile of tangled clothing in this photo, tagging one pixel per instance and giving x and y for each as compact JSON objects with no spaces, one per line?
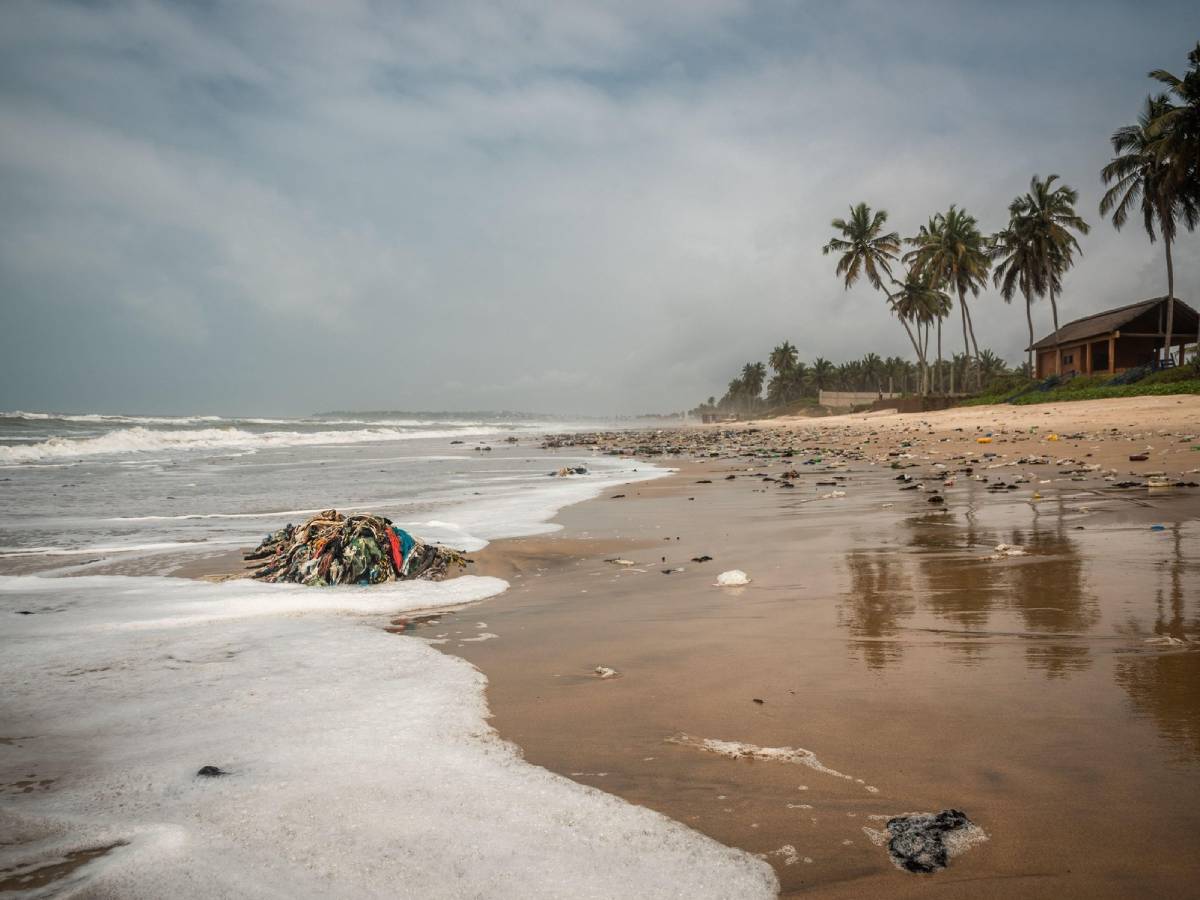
{"x":334,"y":549}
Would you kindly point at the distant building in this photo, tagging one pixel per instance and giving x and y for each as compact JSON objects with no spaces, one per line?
{"x":1117,"y":339}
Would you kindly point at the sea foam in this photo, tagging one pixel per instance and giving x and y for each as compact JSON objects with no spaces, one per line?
{"x":359,"y":763}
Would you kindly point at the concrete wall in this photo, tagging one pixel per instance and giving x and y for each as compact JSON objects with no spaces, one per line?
{"x":848,"y":399}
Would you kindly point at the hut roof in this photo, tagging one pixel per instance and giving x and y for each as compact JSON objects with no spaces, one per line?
{"x":1112,"y":319}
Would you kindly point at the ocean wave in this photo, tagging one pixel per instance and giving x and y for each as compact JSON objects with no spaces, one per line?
{"x":142,"y":440}
{"x":366,"y":419}
{"x":107,"y":419}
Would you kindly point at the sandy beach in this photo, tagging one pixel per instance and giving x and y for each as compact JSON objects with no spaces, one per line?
{"x":987,"y":610}
{"x":1050,"y":695}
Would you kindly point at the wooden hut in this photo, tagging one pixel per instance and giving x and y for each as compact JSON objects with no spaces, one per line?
{"x":1117,"y":339}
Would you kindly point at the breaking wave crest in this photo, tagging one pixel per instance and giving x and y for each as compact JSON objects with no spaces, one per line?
{"x":142,"y":440}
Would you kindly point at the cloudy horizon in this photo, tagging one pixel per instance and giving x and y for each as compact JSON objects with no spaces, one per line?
{"x":600,"y":208}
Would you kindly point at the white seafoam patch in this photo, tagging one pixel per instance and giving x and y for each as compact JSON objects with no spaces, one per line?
{"x":742,"y":750}
{"x":360,"y":762}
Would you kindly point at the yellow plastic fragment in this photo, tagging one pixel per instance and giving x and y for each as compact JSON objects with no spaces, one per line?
{"x":983,"y":440}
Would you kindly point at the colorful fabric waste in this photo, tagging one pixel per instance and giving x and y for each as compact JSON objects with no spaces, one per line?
{"x":334,"y":549}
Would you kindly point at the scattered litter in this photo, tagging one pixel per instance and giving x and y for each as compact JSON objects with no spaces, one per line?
{"x":925,"y":842}
{"x":1006,"y":550}
{"x":700,"y":559}
{"x":566,"y":471}
{"x":789,"y":854}
{"x":606,"y":672}
{"x":732,"y":578}
{"x":211,"y":772}
{"x":1138,"y":457}
{"x":1166,"y":640}
{"x":621,"y":562}
{"x":334,"y":549}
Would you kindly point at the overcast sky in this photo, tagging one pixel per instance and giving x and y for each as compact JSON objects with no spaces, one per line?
{"x":282,"y":207}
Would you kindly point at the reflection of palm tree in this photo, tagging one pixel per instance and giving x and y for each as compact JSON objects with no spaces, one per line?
{"x":960,"y":589}
{"x":880,"y":596}
{"x":1048,"y":594}
{"x":1164,"y":686}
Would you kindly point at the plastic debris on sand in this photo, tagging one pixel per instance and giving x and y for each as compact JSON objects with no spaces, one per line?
{"x":925,"y":842}
{"x":733,"y":578}
{"x":334,"y":549}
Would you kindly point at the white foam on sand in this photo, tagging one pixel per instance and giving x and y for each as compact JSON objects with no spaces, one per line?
{"x":527,"y":508}
{"x":360,"y":763}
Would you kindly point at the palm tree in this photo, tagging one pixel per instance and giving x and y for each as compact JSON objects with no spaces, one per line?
{"x":1048,"y":215}
{"x":865,"y":248}
{"x":753,"y":376}
{"x":872,"y":369}
{"x":1140,"y":177}
{"x":1178,"y":140}
{"x":1177,"y":128}
{"x":800,"y":376}
{"x":938,"y":306}
{"x":822,"y":373}
{"x":1019,"y":267}
{"x":783,"y":358}
{"x":952,"y":253}
{"x":918,"y":302}
{"x":991,"y":365}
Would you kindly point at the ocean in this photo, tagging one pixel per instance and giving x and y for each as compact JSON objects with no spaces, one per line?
{"x":357,"y":762}
{"x":93,"y":488}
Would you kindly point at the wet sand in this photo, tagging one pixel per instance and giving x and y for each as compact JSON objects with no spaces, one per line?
{"x":1054,"y":696}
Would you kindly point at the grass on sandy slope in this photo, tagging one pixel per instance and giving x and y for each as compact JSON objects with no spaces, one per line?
{"x":1181,"y":380}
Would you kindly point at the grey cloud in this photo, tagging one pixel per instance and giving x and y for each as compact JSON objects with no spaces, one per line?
{"x":592,"y":207}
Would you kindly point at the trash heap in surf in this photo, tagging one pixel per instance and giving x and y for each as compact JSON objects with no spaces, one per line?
{"x":334,"y":549}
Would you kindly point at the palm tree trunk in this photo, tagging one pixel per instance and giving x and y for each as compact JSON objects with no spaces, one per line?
{"x":1170,"y":296}
{"x":925,"y":357}
{"x":962,"y":308}
{"x":941,"y":375}
{"x":1054,"y":312}
{"x":1029,"y":322}
{"x":975,"y":347}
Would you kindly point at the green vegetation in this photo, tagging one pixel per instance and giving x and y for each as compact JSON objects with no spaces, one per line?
{"x":1180,"y":380}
